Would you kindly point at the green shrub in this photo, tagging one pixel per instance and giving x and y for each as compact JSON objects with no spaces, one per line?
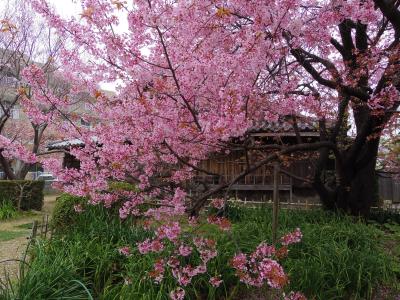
{"x":32,"y":196}
{"x":64,"y":213}
{"x":7,"y":210}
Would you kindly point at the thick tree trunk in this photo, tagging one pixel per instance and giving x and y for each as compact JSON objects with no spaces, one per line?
{"x":357,"y":190}
{"x":359,"y":193}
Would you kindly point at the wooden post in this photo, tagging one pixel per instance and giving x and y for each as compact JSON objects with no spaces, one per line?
{"x":46,"y":227}
{"x":275,"y":206}
{"x":42,"y":227}
{"x":34,"y":229}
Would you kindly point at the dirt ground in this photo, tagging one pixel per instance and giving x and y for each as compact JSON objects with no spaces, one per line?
{"x":14,"y":249}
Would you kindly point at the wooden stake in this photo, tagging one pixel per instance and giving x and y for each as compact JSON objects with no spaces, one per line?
{"x":275,"y":206}
{"x":47,"y":226}
{"x":42,"y":227}
{"x":34,"y":229}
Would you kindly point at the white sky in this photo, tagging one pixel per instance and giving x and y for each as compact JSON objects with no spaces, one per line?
{"x":69,"y":8}
{"x":66,"y":8}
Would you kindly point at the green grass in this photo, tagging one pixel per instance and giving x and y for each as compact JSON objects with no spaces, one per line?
{"x":25,"y":226}
{"x":339,"y":258}
{"x":10,"y":235}
{"x":391,"y":242}
{"x":7,"y":210}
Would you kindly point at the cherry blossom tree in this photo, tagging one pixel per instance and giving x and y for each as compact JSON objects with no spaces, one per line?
{"x":194,"y":75}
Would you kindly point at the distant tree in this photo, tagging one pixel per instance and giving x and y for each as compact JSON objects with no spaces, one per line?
{"x":26,"y":42}
{"x":389,"y":153}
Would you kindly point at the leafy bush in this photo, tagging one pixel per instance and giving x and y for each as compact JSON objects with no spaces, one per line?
{"x":122,"y":186}
{"x":64,"y":211}
{"x":339,"y":258}
{"x":32,"y":196}
{"x":7,"y":210}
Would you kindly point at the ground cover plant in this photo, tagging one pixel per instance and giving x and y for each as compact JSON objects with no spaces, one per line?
{"x":85,"y":259}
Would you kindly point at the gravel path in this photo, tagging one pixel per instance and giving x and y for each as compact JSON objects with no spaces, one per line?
{"x":16,"y":247}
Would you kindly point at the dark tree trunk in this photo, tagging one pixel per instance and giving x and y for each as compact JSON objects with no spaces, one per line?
{"x":356,"y":190}
{"x":359,"y":192}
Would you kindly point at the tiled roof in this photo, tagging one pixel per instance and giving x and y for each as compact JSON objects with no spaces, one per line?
{"x":65,"y":144}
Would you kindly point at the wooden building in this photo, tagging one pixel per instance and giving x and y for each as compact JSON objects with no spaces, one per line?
{"x":258,"y":186}
{"x":389,"y":188}
{"x":69,"y":161}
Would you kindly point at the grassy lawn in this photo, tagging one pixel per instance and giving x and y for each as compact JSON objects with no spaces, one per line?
{"x":24,"y":226}
{"x":338,"y":258}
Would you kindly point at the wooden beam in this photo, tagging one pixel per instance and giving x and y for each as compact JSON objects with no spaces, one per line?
{"x":275,"y":207}
{"x":283,"y":134}
{"x":257,"y":187}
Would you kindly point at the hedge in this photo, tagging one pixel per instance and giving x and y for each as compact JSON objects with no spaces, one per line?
{"x":32,"y":193}
{"x":64,"y":212}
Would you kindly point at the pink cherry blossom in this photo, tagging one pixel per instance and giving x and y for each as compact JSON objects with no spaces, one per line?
{"x":78,"y":208}
{"x":177,"y":294}
{"x":216,"y":281}
{"x":150,"y":246}
{"x":185,"y":250}
{"x":170,"y":231}
{"x":126,"y":251}
{"x":291,"y":238}
{"x":218,"y":203}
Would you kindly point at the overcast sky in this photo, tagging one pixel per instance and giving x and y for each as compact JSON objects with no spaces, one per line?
{"x":66,"y":7}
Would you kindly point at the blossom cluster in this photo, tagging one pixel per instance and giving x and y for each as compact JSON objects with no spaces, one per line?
{"x":221,"y":222}
{"x":257,"y":269}
{"x":292,"y":237}
{"x":262,"y":265}
{"x":14,"y":149}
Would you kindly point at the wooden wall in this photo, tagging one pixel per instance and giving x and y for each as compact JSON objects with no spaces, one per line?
{"x":389,"y":187}
{"x":229,"y":166}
